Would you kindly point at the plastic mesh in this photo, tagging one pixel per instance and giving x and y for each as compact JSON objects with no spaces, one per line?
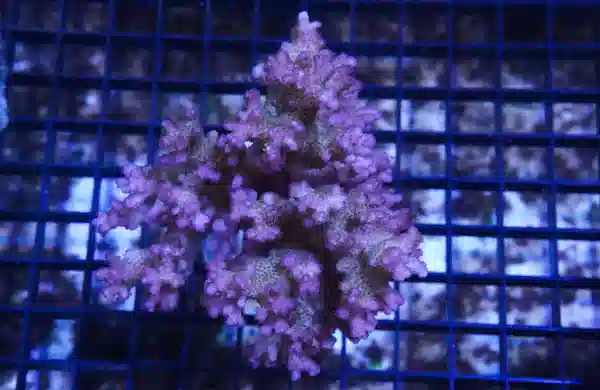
{"x":489,"y":110}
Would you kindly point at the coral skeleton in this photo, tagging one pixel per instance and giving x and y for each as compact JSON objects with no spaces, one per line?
{"x":298,"y":177}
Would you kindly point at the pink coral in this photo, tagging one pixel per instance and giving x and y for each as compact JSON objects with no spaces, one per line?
{"x":323,"y":236}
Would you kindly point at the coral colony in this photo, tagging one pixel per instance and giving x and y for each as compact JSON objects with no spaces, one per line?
{"x":297,"y":176}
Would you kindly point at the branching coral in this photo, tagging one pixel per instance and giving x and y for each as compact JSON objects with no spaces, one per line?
{"x":297,"y":174}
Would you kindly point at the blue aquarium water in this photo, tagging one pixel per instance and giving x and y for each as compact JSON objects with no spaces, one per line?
{"x":3,"y":103}
{"x":490,"y":110}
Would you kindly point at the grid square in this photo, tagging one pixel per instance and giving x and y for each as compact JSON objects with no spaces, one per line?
{"x":576,"y":164}
{"x":424,"y":115}
{"x":83,"y":60}
{"x":474,"y":254}
{"x":474,"y":161}
{"x":521,"y":117}
{"x":135,"y":17}
{"x":423,"y":159}
{"x":12,"y":325}
{"x":33,"y":152}
{"x":18,"y":238}
{"x":526,"y":208}
{"x":434,"y":253}
{"x":223,"y":25}
{"x":470,"y":25}
{"x":424,"y":72}
{"x":428,"y":205}
{"x":586,"y":32}
{"x":275,"y":21}
{"x":380,"y":24}
{"x":184,"y":19}
{"x":573,"y":74}
{"x":183,"y":63}
{"x":131,"y":61}
{"x":79,"y":103}
{"x":380,"y":70}
{"x":230,"y":66}
{"x":537,"y":33}
{"x":578,"y":258}
{"x":425,"y":301}
{"x":121,"y":148}
{"x":23,"y":192}
{"x":471,"y":207}
{"x":524,"y":351}
{"x":75,"y":148}
{"x":476,"y":304}
{"x":424,"y":352}
{"x":29,"y":101}
{"x":535,"y":71}
{"x":478,"y":354}
{"x":434,"y":27}
{"x":579,"y":211}
{"x":525,"y":162}
{"x":58,"y":194}
{"x":34,"y":58}
{"x":376,"y":352}
{"x":130,"y":105}
{"x":527,"y":257}
{"x":475,"y":72}
{"x":579,"y":308}
{"x":574,"y":118}
{"x":530,"y":306}
{"x":474,"y":116}
{"x":176,"y":104}
{"x":32,"y":15}
{"x":86,"y":17}
{"x":576,"y":363}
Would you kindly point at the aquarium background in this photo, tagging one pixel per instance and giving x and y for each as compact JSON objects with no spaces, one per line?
{"x":489,"y":111}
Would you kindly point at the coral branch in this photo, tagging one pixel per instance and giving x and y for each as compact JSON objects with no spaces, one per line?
{"x":323,"y":235}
